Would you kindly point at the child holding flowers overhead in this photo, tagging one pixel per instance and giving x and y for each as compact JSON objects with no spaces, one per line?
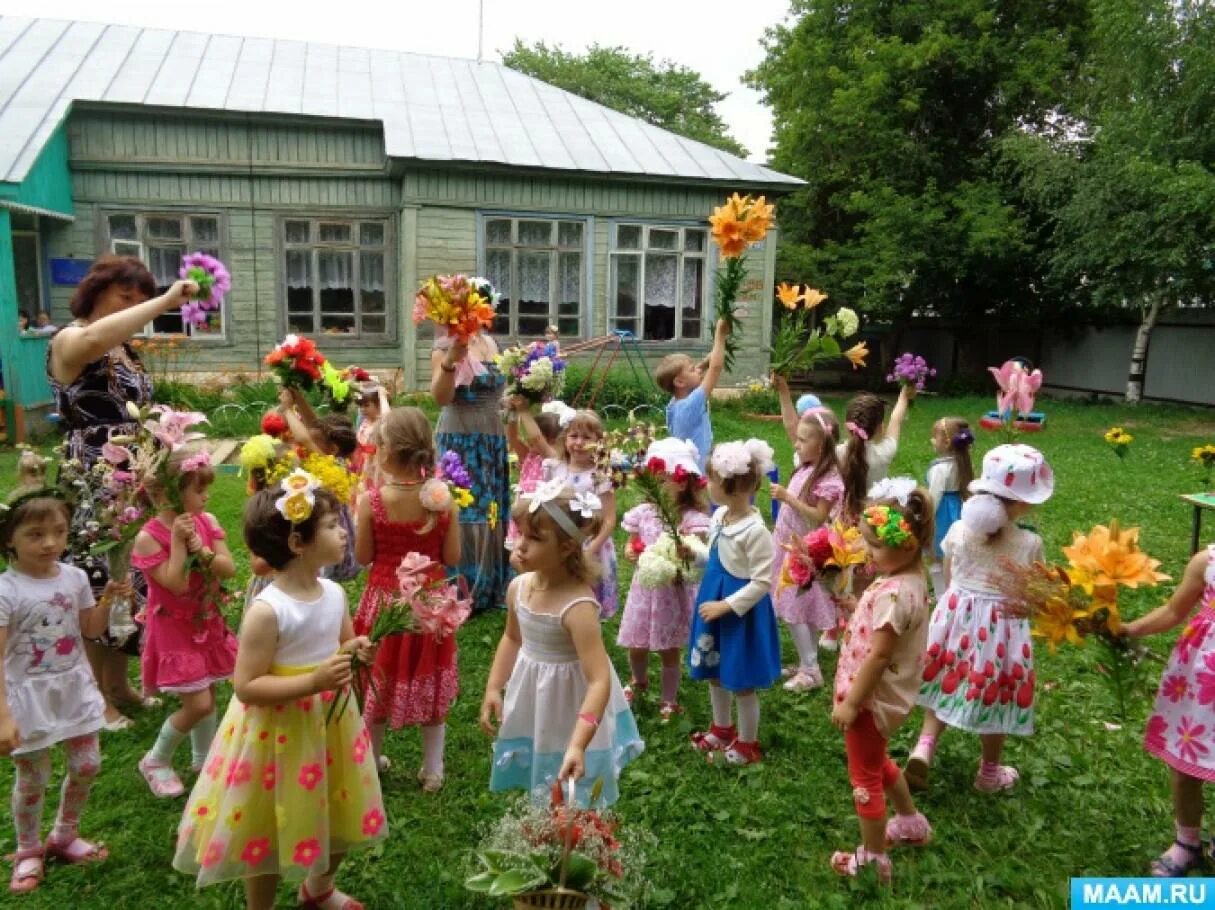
{"x":187,"y":647}
{"x":286,"y":792}
{"x":979,"y":673}
{"x":414,"y":679}
{"x":658,"y":618}
{"x":734,"y":641}
{"x":533,"y":439}
{"x":1184,"y":707}
{"x":691,"y":386}
{"x":564,"y":715}
{"x":576,"y":465}
{"x":877,"y":676}
{"x":815,"y":495}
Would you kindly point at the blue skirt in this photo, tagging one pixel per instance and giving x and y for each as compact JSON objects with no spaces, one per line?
{"x":743,"y":652}
{"x":949,"y":510}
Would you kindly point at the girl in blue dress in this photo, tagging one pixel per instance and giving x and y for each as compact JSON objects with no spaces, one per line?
{"x":948,"y":477}
{"x":734,"y":642}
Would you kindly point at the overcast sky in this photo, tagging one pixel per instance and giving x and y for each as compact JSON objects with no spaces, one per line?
{"x":718,"y":39}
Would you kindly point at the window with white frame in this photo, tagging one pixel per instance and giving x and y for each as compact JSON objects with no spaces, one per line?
{"x":658,"y":281}
{"x":537,"y":266}
{"x":160,"y":240}
{"x":334,"y":272}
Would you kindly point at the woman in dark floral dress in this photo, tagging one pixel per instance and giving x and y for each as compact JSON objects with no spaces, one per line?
{"x":94,"y":372}
{"x":470,"y":425}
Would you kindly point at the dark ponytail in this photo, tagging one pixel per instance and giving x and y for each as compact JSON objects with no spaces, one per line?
{"x":863,"y":420}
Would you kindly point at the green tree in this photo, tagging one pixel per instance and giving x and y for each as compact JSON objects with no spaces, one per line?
{"x":667,"y":95}
{"x":1126,"y":183}
{"x":892,"y":111}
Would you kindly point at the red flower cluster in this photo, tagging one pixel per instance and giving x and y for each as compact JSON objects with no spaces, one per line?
{"x":571,"y":826}
{"x":681,"y":475}
{"x":356,"y":374}
{"x":296,"y":362}
{"x":274,"y":424}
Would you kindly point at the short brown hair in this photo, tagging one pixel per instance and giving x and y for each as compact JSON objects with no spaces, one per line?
{"x":29,"y":505}
{"x":406,"y":437}
{"x":669,"y":369}
{"x":268,"y":533}
{"x":579,"y":563}
{"x":124,"y":271}
{"x":339,"y":432}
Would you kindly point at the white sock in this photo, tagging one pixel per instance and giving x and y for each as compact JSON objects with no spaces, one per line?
{"x":748,"y":717}
{"x":433,"y":737}
{"x":200,"y":739}
{"x":166,"y":743}
{"x":806,"y":644}
{"x":719,"y":698}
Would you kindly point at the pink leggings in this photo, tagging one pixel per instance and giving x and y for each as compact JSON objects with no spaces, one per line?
{"x":33,"y":777}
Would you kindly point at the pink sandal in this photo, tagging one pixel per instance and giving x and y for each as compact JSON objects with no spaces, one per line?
{"x":851,"y":864}
{"x":26,"y":880}
{"x":908,"y":831}
{"x":1005,"y":778}
{"x":162,"y":780}
{"x":317,"y":902}
{"x":76,"y":852}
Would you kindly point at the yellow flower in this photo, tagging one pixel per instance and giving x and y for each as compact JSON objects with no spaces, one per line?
{"x":299,"y":481}
{"x":258,"y":452}
{"x":296,"y":507}
{"x":332,"y":475}
{"x":857,"y":354}
{"x":812,"y":297}
{"x":788,"y":295}
{"x":491,"y":515}
{"x":1056,"y":622}
{"x":462,"y":497}
{"x":1112,"y":557}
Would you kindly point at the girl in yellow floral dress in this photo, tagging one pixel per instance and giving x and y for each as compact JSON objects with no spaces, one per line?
{"x":285,"y":793}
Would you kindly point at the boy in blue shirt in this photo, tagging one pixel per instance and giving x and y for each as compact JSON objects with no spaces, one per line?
{"x":690,"y":386}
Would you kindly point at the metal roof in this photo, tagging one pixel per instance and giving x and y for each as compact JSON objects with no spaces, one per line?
{"x":432,"y":108}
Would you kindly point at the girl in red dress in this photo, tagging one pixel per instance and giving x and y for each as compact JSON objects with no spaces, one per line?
{"x":411,"y":512}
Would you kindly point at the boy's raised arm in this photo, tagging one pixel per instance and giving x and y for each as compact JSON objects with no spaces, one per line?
{"x":717,"y":357}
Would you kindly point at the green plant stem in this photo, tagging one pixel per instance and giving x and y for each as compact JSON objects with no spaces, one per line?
{"x":730,"y":277}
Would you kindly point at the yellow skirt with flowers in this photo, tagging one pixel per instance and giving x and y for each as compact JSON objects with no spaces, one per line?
{"x":280,"y":792}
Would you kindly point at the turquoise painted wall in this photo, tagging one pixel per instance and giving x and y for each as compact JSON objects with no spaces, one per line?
{"x":48,"y":185}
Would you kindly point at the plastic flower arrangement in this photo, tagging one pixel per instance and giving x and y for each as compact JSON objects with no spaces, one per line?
{"x":1078,"y":601}
{"x":536,"y":371}
{"x":461,"y":305}
{"x":911,"y":370}
{"x":735,"y":226}
{"x":213,"y":283}
{"x":796,"y":347}
{"x":451,"y":483}
{"x":296,"y":362}
{"x":335,"y":386}
{"x":827,"y":554}
{"x":562,"y":855}
{"x":1204,"y":456}
{"x":424,"y":604}
{"x":1119,"y":440}
{"x":326,"y":469}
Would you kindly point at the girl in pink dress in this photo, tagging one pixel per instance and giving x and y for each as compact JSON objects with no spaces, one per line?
{"x":815,"y":495}
{"x":372,"y":402}
{"x":536,"y":442}
{"x":187,"y":647}
{"x":415,"y":673}
{"x":1179,"y":730}
{"x":658,"y":619}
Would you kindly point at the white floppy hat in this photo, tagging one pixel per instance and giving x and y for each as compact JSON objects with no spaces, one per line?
{"x":675,"y":453}
{"x":1017,"y":472}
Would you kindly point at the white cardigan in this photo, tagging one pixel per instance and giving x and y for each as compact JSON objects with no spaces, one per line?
{"x":746,"y":551}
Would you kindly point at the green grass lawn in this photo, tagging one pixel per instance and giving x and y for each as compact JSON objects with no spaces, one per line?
{"x":1091,"y":803}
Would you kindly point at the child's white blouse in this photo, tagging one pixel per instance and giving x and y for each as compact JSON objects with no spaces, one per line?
{"x":746,"y":550}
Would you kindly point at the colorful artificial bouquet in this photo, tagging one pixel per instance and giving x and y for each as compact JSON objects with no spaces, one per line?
{"x":622,"y":451}
{"x":535,"y":371}
{"x":537,"y":854}
{"x":213,"y":283}
{"x":827,"y":554}
{"x":329,"y":472}
{"x":451,"y":483}
{"x":1077,"y":601}
{"x":797,"y":348}
{"x":463,"y":306}
{"x":911,"y":370}
{"x":735,"y":226}
{"x":296,"y":362}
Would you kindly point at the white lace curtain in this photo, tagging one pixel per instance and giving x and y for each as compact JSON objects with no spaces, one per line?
{"x":335,"y":271}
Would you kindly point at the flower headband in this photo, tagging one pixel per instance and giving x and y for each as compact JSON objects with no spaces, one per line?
{"x":299,"y":497}
{"x":195,"y":462}
{"x":897,"y":488}
{"x":586,"y":504}
{"x":731,"y":459}
{"x":889,"y":526}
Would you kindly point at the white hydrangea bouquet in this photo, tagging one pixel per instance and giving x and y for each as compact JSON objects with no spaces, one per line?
{"x":536,"y":371}
{"x":661,"y":564}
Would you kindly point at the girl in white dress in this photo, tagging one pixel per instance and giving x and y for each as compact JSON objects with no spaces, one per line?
{"x":47,"y":691}
{"x":564,"y":715}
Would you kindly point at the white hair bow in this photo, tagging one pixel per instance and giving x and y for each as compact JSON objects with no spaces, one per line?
{"x":586,"y":504}
{"x":545,"y":492}
{"x":896,"y":488}
{"x":563,"y":411}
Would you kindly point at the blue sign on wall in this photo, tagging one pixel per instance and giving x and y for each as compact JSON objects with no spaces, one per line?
{"x":69,"y":271}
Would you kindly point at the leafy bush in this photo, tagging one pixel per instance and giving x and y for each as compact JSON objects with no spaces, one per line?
{"x":619,"y":387}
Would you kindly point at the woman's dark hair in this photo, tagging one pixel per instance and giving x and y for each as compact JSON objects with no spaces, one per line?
{"x":124,"y":271}
{"x":339,"y":432}
{"x":267,"y":532}
{"x":27,"y":505}
{"x":866,"y":412}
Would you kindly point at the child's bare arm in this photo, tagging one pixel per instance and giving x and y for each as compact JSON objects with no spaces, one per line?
{"x":535,"y":439}
{"x":899,"y":414}
{"x":880,"y":651}
{"x":582,"y":622}
{"x":717,"y":358}
{"x":364,"y":535}
{"x":515,"y":441}
{"x":608,"y":501}
{"x":451,"y":543}
{"x":788,"y":413}
{"x":504,"y":664}
{"x":223,"y":566}
{"x":1185,"y":596}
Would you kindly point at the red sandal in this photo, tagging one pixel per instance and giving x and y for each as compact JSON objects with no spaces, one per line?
{"x":715,"y":739}
{"x":741,"y":753}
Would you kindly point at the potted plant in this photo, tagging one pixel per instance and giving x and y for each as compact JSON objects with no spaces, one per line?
{"x":560,"y":857}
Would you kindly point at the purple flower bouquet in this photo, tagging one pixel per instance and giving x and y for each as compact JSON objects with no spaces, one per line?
{"x":911,"y":370}
{"x":213,"y":283}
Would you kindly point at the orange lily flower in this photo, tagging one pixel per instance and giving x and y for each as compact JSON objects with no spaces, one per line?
{"x":812,"y":297}
{"x":857,"y":354}
{"x":788,"y":295}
